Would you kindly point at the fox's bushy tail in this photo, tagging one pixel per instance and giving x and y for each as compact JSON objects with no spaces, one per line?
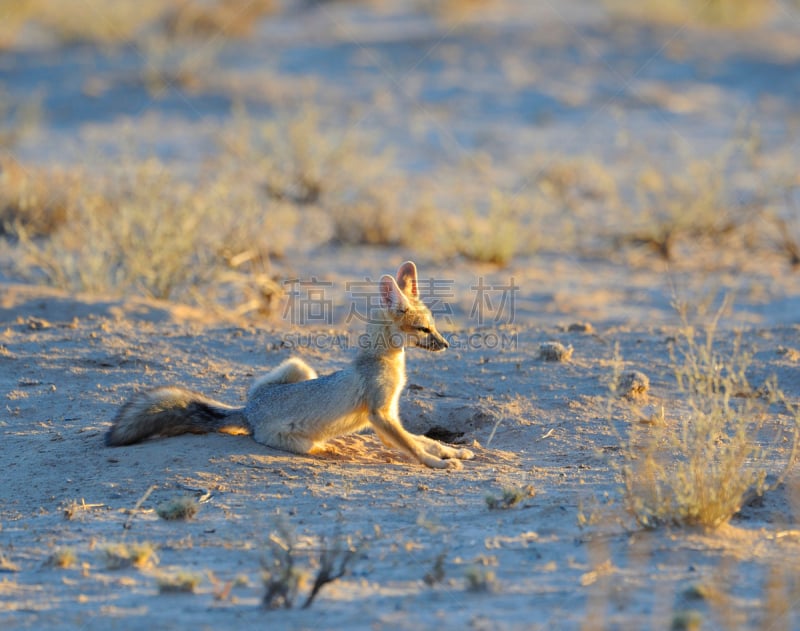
{"x":173,"y":411}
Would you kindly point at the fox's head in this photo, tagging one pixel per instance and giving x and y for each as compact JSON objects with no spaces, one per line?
{"x":409,"y":317}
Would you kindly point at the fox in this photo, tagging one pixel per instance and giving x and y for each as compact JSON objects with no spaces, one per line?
{"x":292,"y":408}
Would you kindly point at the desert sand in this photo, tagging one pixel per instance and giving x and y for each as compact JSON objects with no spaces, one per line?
{"x":432,"y":550}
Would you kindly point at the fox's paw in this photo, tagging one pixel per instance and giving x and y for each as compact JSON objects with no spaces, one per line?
{"x":453,"y":464}
{"x":461,"y":454}
{"x":441,"y":463}
{"x":465,"y":454}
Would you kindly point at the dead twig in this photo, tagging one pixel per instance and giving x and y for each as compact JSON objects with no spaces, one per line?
{"x":132,"y":512}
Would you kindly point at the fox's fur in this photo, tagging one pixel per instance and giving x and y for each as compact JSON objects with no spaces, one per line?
{"x":291,"y":408}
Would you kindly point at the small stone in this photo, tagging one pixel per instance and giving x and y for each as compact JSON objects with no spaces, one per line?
{"x":792,"y":354}
{"x":554,"y":352}
{"x":37,"y":324}
{"x":633,"y":385}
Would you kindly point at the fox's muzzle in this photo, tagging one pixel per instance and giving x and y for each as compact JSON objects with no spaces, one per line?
{"x":433,"y":342}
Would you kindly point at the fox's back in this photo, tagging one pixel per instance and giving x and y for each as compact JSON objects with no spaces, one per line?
{"x":332,"y":392}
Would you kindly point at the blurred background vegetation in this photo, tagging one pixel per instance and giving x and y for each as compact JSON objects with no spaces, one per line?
{"x":292,"y":160}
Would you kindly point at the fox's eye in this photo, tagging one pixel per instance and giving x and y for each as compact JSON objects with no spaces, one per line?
{"x":424,"y":329}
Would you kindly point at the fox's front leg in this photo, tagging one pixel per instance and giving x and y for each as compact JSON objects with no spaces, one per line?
{"x":392,"y":433}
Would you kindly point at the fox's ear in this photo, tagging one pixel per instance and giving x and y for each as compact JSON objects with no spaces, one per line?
{"x":391,"y":296}
{"x":407,"y":279}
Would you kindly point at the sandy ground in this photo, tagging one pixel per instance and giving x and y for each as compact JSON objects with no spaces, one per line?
{"x":431,"y":553}
{"x":69,"y":362}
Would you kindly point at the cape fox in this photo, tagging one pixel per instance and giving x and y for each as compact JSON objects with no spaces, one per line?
{"x":291,"y":408}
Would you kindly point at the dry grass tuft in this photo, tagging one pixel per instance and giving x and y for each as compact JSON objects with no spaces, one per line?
{"x":179,"y":583}
{"x":334,"y":169}
{"x":689,"y":620}
{"x":147,"y":233}
{"x":7,"y":565}
{"x":436,"y":574}
{"x":209,"y":239}
{"x":178,"y":508}
{"x":510,"y":497}
{"x":125,"y":21}
{"x":495,"y":235}
{"x":717,"y":13}
{"x":63,"y":558}
{"x":372,"y":219}
{"x":229,"y":18}
{"x":567,"y":182}
{"x":151,"y":234}
{"x":693,"y":205}
{"x":306,"y":157}
{"x":106,"y":23}
{"x":283,"y":578}
{"x":699,"y":469}
{"x":170,"y":62}
{"x":33,"y":202}
{"x":480,"y":580}
{"x":457,"y":12}
{"x":786,"y":234}
{"x":122,"y":555}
